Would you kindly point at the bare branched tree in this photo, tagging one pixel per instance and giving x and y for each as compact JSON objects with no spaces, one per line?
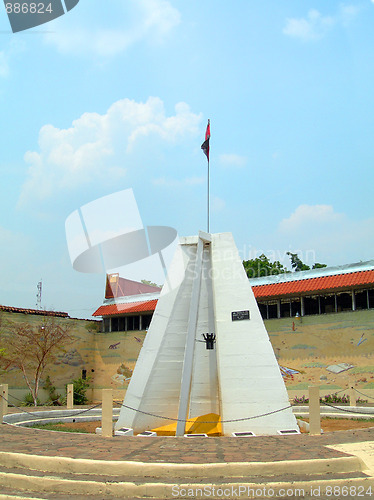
{"x":30,"y":348}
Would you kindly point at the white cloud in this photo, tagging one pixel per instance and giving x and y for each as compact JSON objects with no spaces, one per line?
{"x":159,"y":15}
{"x":347,"y":13}
{"x":326,"y":235}
{"x":309,"y":215}
{"x":97,"y":146}
{"x":232,"y":160}
{"x":315,"y":26}
{"x":139,"y":20}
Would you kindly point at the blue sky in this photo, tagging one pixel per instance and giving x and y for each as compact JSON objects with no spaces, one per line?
{"x":117,"y":94}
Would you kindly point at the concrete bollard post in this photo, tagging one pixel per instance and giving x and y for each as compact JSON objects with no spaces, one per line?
{"x":70,"y":396}
{"x":314,"y":410}
{"x":107,"y":413}
{"x":352,"y":396}
{"x":3,"y":401}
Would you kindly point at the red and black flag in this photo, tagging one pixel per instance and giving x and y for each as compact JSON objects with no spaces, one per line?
{"x":205,"y":144}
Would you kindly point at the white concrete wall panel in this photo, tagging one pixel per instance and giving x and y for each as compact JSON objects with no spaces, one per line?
{"x":250,"y":381}
{"x":204,"y":386}
{"x":155,"y":384}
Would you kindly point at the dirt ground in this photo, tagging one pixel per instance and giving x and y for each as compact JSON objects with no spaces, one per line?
{"x":328,"y":425}
{"x":342,"y":424}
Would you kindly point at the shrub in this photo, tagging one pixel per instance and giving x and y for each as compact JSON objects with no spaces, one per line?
{"x":300,"y":401}
{"x":80,"y":387}
{"x":334,"y":398}
{"x":54,"y":398}
{"x":28,"y":400}
{"x":329,"y":398}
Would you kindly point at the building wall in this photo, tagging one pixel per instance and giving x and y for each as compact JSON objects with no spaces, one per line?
{"x":312,"y":343}
{"x":308,"y":345}
{"x":321,"y":303}
{"x":69,"y":363}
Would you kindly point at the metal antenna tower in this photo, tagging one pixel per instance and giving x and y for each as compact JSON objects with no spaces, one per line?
{"x":39,"y":295}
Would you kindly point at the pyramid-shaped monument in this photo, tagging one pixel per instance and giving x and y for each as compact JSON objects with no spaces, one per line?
{"x":207,"y":350}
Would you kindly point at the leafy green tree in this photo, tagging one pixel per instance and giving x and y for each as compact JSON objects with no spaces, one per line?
{"x":298,"y":265}
{"x":262,"y":266}
{"x":150,"y":283}
{"x":296,"y":262}
{"x":317,"y":265}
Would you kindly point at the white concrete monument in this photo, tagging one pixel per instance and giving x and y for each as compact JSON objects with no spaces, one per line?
{"x":207,"y":350}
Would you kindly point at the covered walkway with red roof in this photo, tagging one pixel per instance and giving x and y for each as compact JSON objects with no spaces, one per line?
{"x":320,"y":291}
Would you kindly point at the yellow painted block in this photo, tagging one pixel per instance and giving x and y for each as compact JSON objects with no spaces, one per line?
{"x":204,"y":424}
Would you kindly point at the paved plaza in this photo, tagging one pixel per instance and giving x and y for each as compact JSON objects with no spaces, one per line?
{"x":168,"y":452}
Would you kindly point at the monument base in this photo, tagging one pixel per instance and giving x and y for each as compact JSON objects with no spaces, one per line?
{"x":205,"y":424}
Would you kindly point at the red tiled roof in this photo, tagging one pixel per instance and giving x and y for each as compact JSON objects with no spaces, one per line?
{"x":121,"y":287}
{"x":132,"y":307}
{"x":339,"y":281}
{"x":336,"y":282}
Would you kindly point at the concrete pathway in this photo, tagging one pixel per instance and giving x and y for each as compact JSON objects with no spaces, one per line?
{"x":363,"y":450}
{"x":177,"y":450}
{"x":298,"y":454}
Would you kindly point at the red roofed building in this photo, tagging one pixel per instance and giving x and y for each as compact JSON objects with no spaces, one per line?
{"x":317,"y":291}
{"x":129,"y":305}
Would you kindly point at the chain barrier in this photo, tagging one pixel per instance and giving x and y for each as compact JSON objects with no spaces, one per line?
{"x":187,"y":420}
{"x":204,"y":422}
{"x":21,"y":400}
{"x":18,"y":408}
{"x":86,"y":410}
{"x":17,"y":399}
{"x":51,"y":400}
{"x":362,"y":394}
{"x":306,"y":403}
{"x":35,"y":417}
{"x":338,"y":392}
{"x":348,"y":411}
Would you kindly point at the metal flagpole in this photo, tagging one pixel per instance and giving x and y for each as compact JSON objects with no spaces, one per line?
{"x":205,"y":148}
{"x":208,"y":195}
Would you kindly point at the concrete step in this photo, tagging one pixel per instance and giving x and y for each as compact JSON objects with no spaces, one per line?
{"x":18,"y":494}
{"x":57,"y":489}
{"x":32,"y":477}
{"x":213,"y":471}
